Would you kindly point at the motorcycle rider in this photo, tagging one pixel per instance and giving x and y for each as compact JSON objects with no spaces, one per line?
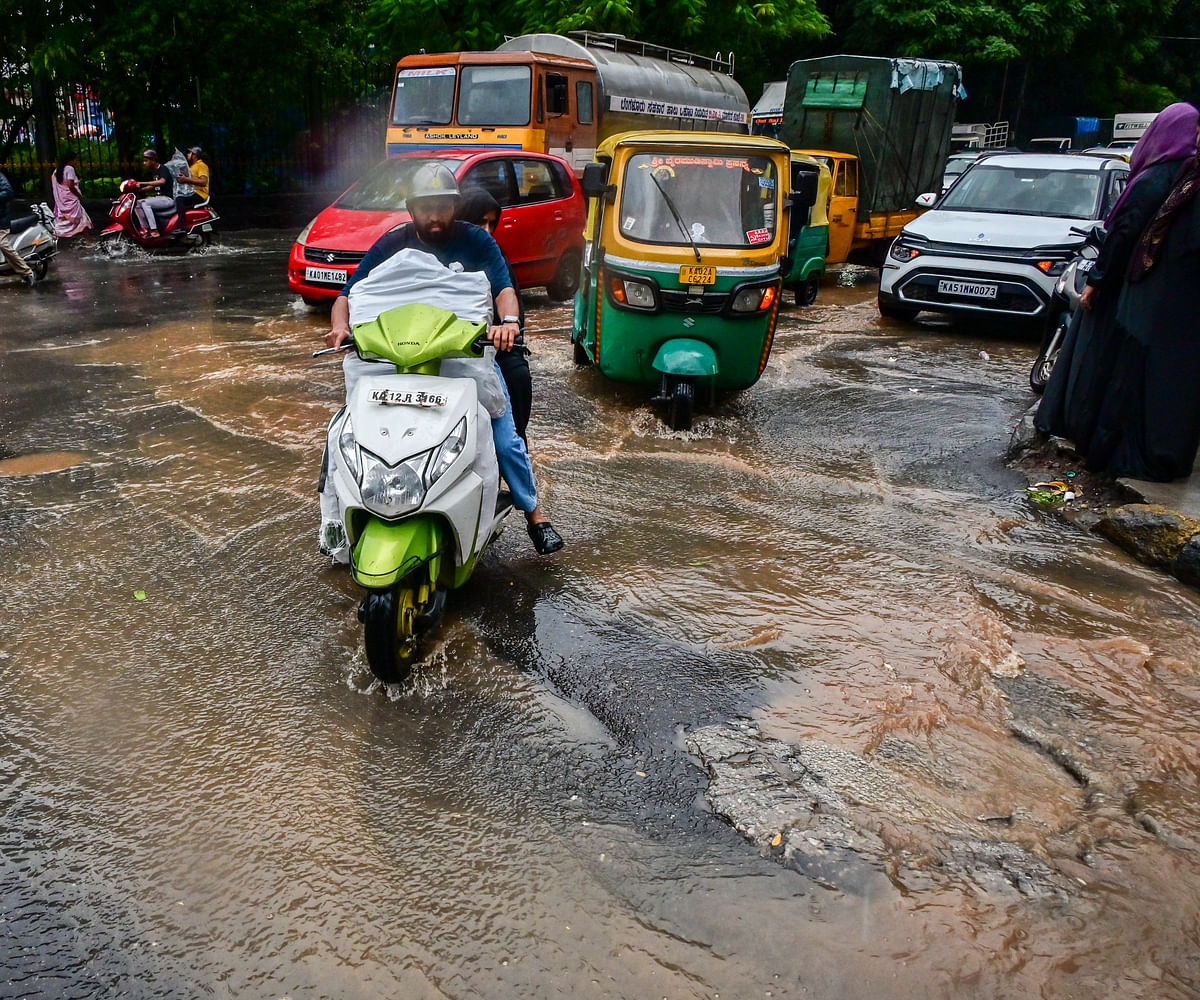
{"x":432,"y":199}
{"x":197,"y":178}
{"x":15,"y":260}
{"x":162,"y":183}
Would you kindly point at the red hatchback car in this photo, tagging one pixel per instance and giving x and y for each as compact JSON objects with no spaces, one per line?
{"x":542,"y":213}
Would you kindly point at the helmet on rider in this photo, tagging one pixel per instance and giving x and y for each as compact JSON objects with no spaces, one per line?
{"x":433,"y":180}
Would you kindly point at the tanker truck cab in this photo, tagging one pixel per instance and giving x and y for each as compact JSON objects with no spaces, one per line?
{"x":557,"y":94}
{"x":685,"y":244}
{"x":519,"y":100}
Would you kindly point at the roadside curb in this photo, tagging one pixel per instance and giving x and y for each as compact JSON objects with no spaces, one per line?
{"x":1156,"y":523}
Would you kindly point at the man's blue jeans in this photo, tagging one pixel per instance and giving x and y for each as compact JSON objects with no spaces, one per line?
{"x":513,"y":459}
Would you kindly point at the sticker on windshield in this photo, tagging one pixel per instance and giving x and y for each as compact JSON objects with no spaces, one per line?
{"x":759,"y":236}
{"x":766,"y":182}
{"x":629,"y":223}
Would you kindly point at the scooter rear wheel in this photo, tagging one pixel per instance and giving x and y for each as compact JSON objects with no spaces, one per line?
{"x":389,"y":632}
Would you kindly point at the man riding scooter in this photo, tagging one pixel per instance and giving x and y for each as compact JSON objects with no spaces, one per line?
{"x":162,"y":198}
{"x":433,"y":197}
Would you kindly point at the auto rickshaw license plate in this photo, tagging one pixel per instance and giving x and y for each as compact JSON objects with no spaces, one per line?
{"x":695,"y":274}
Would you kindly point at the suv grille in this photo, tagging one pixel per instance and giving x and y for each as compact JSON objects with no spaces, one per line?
{"x":1011,"y":296}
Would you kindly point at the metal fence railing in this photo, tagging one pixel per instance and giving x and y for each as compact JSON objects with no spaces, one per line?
{"x":291,"y":151}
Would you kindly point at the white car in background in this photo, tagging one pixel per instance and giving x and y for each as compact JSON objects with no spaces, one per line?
{"x":995,"y":242}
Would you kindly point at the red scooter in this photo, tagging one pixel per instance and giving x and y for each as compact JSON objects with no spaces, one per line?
{"x":192,"y":230}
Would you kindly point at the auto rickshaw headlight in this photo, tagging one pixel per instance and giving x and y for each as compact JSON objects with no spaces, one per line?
{"x":632,"y":293}
{"x":757,"y":298}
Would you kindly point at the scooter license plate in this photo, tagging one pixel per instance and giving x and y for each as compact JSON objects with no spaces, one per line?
{"x":696,"y":274}
{"x":330,"y":275}
{"x":401,"y":397}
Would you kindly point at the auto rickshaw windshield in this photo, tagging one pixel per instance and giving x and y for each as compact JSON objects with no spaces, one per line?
{"x":726,"y":201}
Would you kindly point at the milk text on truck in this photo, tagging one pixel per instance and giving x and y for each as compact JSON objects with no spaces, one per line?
{"x":883,"y":128}
{"x":558,"y":94}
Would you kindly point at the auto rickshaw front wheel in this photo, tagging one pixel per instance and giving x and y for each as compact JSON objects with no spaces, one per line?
{"x":680,"y":399}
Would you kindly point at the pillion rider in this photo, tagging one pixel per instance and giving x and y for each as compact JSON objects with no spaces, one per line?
{"x":432,"y":199}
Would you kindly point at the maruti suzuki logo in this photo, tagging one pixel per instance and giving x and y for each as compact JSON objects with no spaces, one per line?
{"x":330,"y":257}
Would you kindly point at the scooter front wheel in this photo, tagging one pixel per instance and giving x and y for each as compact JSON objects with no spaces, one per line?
{"x":115,"y":245}
{"x":1047,"y":357}
{"x":389,"y":620}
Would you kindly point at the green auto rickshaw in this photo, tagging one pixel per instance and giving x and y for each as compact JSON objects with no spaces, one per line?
{"x":808,"y":242}
{"x":684,"y":261}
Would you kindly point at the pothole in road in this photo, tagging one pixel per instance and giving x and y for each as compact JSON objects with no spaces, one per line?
{"x":38,"y":465}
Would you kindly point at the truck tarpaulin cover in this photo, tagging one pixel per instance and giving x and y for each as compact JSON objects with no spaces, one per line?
{"x":895,"y":115}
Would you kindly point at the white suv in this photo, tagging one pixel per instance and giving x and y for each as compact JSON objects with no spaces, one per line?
{"x":999,"y":237}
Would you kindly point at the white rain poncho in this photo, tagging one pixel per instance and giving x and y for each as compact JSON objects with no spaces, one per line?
{"x":413,"y":276}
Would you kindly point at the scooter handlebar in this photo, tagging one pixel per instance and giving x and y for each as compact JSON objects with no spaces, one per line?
{"x":345,"y":345}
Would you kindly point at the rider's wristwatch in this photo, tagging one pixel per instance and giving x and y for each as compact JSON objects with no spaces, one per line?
{"x":511,"y":319}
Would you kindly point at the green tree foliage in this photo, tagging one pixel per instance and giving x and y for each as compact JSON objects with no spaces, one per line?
{"x":704,"y":26}
{"x":1031,"y":57}
{"x":181,"y":73}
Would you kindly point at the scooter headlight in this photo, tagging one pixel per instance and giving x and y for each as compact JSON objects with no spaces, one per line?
{"x":349,"y":448}
{"x":445,"y":453}
{"x":392,"y":490}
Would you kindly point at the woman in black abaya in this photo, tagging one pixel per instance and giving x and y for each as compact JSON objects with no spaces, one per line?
{"x":1073,"y":397}
{"x":1148,"y":426}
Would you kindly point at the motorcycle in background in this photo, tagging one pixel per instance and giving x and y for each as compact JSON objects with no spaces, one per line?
{"x":193,"y":229}
{"x":1064,"y":303}
{"x":32,"y":236}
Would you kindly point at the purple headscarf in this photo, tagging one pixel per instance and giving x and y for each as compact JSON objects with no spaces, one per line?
{"x":1171,"y":136}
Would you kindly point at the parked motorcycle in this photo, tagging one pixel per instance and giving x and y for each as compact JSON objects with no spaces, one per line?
{"x":415,"y":498}
{"x":1064,"y":303}
{"x":32,"y":236}
{"x":192,"y":230}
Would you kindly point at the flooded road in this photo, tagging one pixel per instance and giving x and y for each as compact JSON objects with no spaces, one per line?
{"x":813,"y":704}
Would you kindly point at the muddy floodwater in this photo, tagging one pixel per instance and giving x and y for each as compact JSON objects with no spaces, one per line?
{"x":813,"y":704}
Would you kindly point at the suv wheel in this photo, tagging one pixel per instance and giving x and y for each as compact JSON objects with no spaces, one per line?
{"x":890,"y":311}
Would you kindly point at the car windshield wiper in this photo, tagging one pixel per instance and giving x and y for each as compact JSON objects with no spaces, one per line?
{"x":678,"y":218}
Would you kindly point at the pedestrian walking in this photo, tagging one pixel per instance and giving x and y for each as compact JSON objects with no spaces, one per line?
{"x":70,"y":217}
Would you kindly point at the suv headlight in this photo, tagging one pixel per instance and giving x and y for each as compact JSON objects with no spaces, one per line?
{"x":902,"y":251}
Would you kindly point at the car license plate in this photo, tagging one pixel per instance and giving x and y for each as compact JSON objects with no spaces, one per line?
{"x":399,"y":397}
{"x":974,"y":289}
{"x":694,"y":274}
{"x":330,"y":275}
